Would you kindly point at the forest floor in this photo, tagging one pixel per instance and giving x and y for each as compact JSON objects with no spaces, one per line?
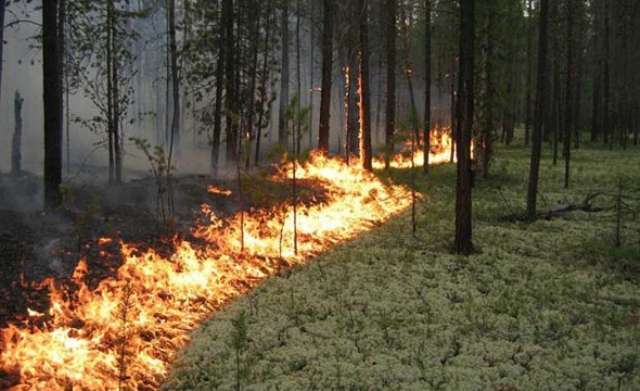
{"x":548,"y":305}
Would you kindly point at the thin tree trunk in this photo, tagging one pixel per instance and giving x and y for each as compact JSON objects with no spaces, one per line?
{"x":2,"y":15}
{"x":365,"y":114}
{"x":390,"y":47}
{"x":175,"y":81}
{"x":463,"y":238}
{"x":283,"y":135}
{"x":16,"y":142}
{"x":52,"y":105}
{"x":327,"y":66}
{"x":217,"y":113}
{"x":312,"y":47}
{"x":251,"y":115}
{"x":568,"y":128}
{"x":530,"y":28}
{"x":231,"y":107}
{"x":426,"y":144}
{"x":117,"y":151}
{"x":534,"y":172}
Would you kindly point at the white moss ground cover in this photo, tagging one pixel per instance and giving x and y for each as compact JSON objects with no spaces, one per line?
{"x":550,"y":305}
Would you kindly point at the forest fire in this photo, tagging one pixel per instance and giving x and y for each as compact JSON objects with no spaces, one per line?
{"x":441,"y":143}
{"x":218,"y":191}
{"x":124,"y":333}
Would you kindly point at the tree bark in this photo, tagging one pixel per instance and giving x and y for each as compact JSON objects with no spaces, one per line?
{"x":16,"y":142}
{"x":530,"y":33}
{"x":390,"y":47}
{"x":327,"y":67}
{"x":217,"y":113}
{"x":365,"y":110}
{"x":534,"y":169}
{"x":463,"y":237}
{"x":231,"y":106}
{"x":283,"y":136}
{"x":2,"y":14}
{"x":568,"y":128}
{"x":175,"y":80}
{"x":52,"y":96}
{"x":426,"y":144}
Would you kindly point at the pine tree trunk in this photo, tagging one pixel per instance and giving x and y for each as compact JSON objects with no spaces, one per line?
{"x":390,"y":47}
{"x":530,"y":28}
{"x":52,"y":105}
{"x":2,"y":14}
{"x":217,"y":113}
{"x":365,"y":114}
{"x":16,"y":142}
{"x":175,"y":81}
{"x":426,"y":144}
{"x":231,"y":107}
{"x":283,"y":136}
{"x":463,"y":243}
{"x":568,"y":128}
{"x":534,"y":172}
{"x":327,"y":67}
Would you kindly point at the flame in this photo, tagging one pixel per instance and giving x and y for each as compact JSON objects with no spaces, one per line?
{"x":441,"y":144}
{"x":125,"y":333}
{"x":218,"y":191}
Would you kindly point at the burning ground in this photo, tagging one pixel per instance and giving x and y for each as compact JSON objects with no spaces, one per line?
{"x":124,"y":332}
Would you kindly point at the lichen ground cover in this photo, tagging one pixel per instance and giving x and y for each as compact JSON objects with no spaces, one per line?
{"x":550,"y":305}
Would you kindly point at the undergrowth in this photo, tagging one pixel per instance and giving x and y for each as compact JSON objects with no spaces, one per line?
{"x":548,"y":305}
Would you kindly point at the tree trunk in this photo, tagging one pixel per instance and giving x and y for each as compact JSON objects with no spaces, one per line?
{"x":283,"y":136}
{"x":52,"y":96}
{"x":606,"y":126}
{"x":253,"y":79}
{"x":115,"y":65}
{"x":175,"y":81}
{"x":231,"y":107}
{"x":426,"y":144}
{"x":534,"y":172}
{"x":365,"y":114}
{"x":327,"y":66}
{"x":463,"y":243}
{"x":568,"y":128}
{"x":16,"y":143}
{"x":390,"y":47}
{"x":353,"y":116}
{"x":217,"y":113}
{"x":530,"y":28}
{"x":2,"y":13}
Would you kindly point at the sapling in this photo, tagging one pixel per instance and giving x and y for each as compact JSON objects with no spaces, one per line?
{"x":239,"y":344}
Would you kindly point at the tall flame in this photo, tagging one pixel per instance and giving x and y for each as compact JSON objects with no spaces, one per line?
{"x":441,"y":144}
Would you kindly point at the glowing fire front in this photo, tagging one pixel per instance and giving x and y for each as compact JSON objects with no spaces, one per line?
{"x":125,"y":333}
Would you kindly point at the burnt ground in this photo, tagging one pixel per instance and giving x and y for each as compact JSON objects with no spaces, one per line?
{"x":35,"y":245}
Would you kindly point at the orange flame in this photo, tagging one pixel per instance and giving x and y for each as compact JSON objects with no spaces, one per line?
{"x":125,"y":333}
{"x":218,"y":191}
{"x":441,"y":144}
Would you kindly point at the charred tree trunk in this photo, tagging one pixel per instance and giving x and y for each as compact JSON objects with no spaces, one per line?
{"x":253,"y":80}
{"x":365,"y":110}
{"x":463,"y":243}
{"x":352,"y":113}
{"x":426,"y":144}
{"x":534,"y":172}
{"x":327,"y":67}
{"x":16,"y":142}
{"x":390,"y":47}
{"x":606,"y":121}
{"x":283,"y":136}
{"x":52,"y":105}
